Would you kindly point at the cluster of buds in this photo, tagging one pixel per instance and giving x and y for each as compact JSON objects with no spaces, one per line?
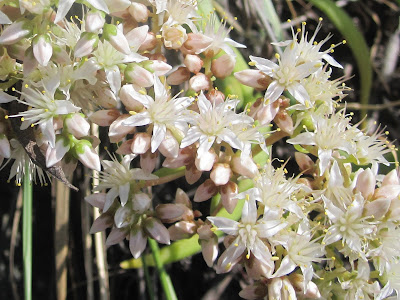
{"x":293,"y":235}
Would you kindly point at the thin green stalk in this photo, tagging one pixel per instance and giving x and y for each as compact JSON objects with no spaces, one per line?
{"x":166,"y":282}
{"x":149,"y":286}
{"x":27,"y":232}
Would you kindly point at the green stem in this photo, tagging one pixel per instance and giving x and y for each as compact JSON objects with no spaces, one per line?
{"x":149,"y":286}
{"x":166,"y":282}
{"x":27,"y":232}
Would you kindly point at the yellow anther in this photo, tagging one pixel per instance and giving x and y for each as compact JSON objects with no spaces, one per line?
{"x":320,"y":19}
{"x":6,"y":117}
{"x":22,"y":119}
{"x":132,"y":112}
{"x":344,"y":42}
{"x":26,"y":85}
{"x":252,"y":63}
{"x":289,"y":20}
{"x":142,"y":92}
{"x":277,"y":56}
{"x":159,"y":36}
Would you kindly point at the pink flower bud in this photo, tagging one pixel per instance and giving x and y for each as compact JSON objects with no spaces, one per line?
{"x":223,"y":66}
{"x":205,"y":191}
{"x":182,"y":198}
{"x":228,"y":192}
{"x":118,"y":131}
{"x":221,"y":173}
{"x":139,"y":12}
{"x":148,"y":161}
{"x":42,"y":49}
{"x":141,"y":143}
{"x":169,"y":147}
{"x":86,"y":44}
{"x":77,"y":125}
{"x":54,"y":155}
{"x":94,"y":21}
{"x":192,"y":174}
{"x":116,"y":38}
{"x":199,"y":82}
{"x":311,"y":292}
{"x":391,"y":178}
{"x":5,"y":150}
{"x":304,"y":162}
{"x":170,"y":212}
{"x":125,"y":94}
{"x":157,"y":230}
{"x":179,"y":76}
{"x":197,"y":42}
{"x":284,"y":121}
{"x":96,"y":200}
{"x":377,"y":208}
{"x":253,"y":78}
{"x":244,"y":166}
{"x":159,"y":67}
{"x":125,"y":147}
{"x":15,"y":32}
{"x":193,"y":62}
{"x":182,"y":230}
{"x":215,"y":96}
{"x":104,"y":117}
{"x":206,"y":161}
{"x":106,"y":98}
{"x":87,"y":156}
{"x":149,"y":43}
{"x":174,"y":36}
{"x":139,"y":76}
{"x":365,"y":183}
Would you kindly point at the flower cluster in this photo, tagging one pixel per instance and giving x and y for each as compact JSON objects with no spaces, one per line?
{"x":332,"y":229}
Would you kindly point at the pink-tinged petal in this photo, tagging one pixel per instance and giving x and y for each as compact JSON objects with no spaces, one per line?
{"x":205,"y":191}
{"x":335,"y":177}
{"x":209,"y":250}
{"x":141,"y":143}
{"x":324,"y":159}
{"x":387,"y":191}
{"x":273,"y":92}
{"x":287,"y":266}
{"x":62,"y":9}
{"x":116,"y":235}
{"x":148,"y":161}
{"x":137,"y":242}
{"x":366,"y":183}
{"x":101,"y":223}
{"x":65,"y":107}
{"x":13,"y":33}
{"x":47,"y":129}
{"x":99,"y":4}
{"x":157,"y":230}
{"x":141,"y":202}
{"x":5,"y":98}
{"x":122,"y":217}
{"x":159,"y":131}
{"x":159,"y":89}
{"x":54,"y":155}
{"x":110,"y":197}
{"x":330,"y":60}
{"x":137,"y":36}
{"x":169,"y":147}
{"x":130,"y":92}
{"x":203,"y":104}
{"x":391,"y":178}
{"x":117,"y":131}
{"x":226,"y":225}
{"x":249,"y":212}
{"x":4,"y":19}
{"x":206,"y":161}
{"x":140,"y":119}
{"x":205,"y":144}
{"x":139,"y":174}
{"x":114,"y":78}
{"x":267,"y":229}
{"x":298,"y":92}
{"x":192,"y":174}
{"x":377,"y":208}
{"x":97,"y":200}
{"x":231,"y":138}
{"x":104,"y":117}
{"x":305,"y":138}
{"x":221,"y":174}
{"x":264,"y":65}
{"x":192,"y":136}
{"x":263,"y":254}
{"x":332,"y":211}
{"x":170,"y":212}
{"x":230,"y":257}
{"x":124,"y":193}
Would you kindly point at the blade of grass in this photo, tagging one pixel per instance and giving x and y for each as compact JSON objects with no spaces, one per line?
{"x":27,"y":232}
{"x":357,"y":44}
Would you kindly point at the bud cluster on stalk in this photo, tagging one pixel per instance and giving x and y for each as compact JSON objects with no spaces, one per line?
{"x":152,"y":77}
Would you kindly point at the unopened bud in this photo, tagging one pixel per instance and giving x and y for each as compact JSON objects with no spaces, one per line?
{"x":94,"y":21}
{"x":244,"y":166}
{"x":228,"y":193}
{"x":42,"y":49}
{"x":138,"y":75}
{"x":170,"y":212}
{"x":199,"y":82}
{"x":253,"y":78}
{"x":86,"y":44}
{"x":205,"y":191}
{"x":77,"y":125}
{"x":221,"y":174}
{"x":216,"y":97}
{"x":149,"y":43}
{"x":15,"y":32}
{"x":141,"y":143}
{"x":223,"y":66}
{"x":284,"y":121}
{"x":116,"y":38}
{"x":104,"y":117}
{"x":139,"y":12}
{"x":117,"y":131}
{"x":193,"y":62}
{"x":304,"y":162}
{"x":366,"y":183}
{"x":87,"y":155}
{"x":125,"y":94}
{"x":179,"y":76}
{"x":197,"y":42}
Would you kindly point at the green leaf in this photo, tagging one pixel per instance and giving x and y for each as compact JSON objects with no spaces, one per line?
{"x":356,"y":42}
